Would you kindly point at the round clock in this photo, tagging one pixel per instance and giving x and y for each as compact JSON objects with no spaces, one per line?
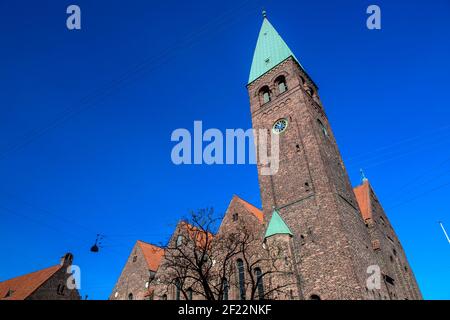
{"x":279,"y":126}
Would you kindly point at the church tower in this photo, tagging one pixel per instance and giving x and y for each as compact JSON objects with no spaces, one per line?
{"x":311,"y":190}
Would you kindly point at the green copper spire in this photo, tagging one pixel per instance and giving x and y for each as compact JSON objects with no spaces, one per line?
{"x":277,"y":226}
{"x":270,"y":50}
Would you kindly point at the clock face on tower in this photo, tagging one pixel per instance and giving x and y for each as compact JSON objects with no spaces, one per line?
{"x":279,"y":126}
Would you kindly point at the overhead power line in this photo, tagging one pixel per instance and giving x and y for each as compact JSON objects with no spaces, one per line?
{"x":150,"y":63}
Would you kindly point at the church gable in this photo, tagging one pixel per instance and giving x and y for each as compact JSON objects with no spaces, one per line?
{"x":134,"y":280}
{"x":241,"y":212}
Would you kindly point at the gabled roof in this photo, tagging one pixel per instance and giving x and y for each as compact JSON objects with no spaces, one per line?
{"x":270,"y":51}
{"x":251,"y":208}
{"x":23,"y":286}
{"x":277,"y":226}
{"x":153,"y":254}
{"x":362,"y":193}
{"x":201,"y":237}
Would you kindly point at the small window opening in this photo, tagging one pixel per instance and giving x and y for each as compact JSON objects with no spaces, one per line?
{"x":281,"y":82}
{"x":322,"y":128}
{"x":266,"y":95}
{"x":388,"y":279}
{"x":179,"y":240}
{"x":9,"y":293}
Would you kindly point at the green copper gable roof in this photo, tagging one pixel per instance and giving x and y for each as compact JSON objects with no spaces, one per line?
{"x":277,"y":226}
{"x":270,"y":51}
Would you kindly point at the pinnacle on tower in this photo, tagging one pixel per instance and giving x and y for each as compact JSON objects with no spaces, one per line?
{"x":363,"y":176}
{"x":277,"y":226}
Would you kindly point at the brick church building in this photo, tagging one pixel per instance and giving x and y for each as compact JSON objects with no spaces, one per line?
{"x":46,"y":284}
{"x":332,"y":233}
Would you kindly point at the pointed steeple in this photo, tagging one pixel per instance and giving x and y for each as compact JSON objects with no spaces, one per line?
{"x":270,"y":50}
{"x":277,"y":226}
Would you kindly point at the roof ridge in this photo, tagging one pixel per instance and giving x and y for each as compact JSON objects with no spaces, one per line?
{"x":247,"y":202}
{"x":25,"y":285}
{"x":32,"y":272}
{"x":149,"y":243}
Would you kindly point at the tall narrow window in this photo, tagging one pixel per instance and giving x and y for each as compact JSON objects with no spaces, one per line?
{"x":281,"y":82}
{"x":241,"y":278}
{"x":226,"y":288}
{"x":322,"y":128}
{"x":177,"y":289}
{"x":235,"y":216}
{"x":259,"y":283}
{"x":189,"y":293}
{"x":265,"y":94}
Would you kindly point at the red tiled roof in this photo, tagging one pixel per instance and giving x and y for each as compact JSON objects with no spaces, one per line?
{"x":362,"y":194}
{"x":194,"y":232}
{"x":153,"y":254}
{"x":23,"y":286}
{"x":252,"y":209}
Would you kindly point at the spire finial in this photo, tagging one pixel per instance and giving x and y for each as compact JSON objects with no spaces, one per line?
{"x":264,"y":13}
{"x":363,"y":176}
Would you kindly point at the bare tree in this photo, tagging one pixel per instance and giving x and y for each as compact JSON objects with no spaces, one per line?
{"x":201,"y":262}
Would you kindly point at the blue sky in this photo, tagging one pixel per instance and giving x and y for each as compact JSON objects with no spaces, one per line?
{"x":86,"y":118}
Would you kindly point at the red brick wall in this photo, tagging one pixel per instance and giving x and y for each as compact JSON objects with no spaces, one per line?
{"x":331,"y":243}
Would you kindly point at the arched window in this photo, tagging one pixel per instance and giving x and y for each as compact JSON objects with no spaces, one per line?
{"x":241,"y":278}
{"x":322,"y":128}
{"x":164,"y":297}
{"x":302,"y":80}
{"x":259,"y":283}
{"x":265,"y":94}
{"x":281,"y":83}
{"x":130,"y":296}
{"x":189,"y":292}
{"x":177,"y":289}
{"x":226,"y":288}
{"x":314,"y":297}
